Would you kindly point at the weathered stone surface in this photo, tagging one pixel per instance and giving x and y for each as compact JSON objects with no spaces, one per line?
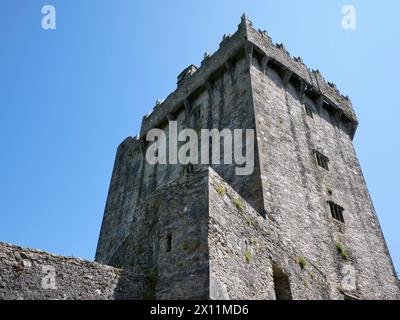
{"x":244,"y":247}
{"x":27,"y":274}
{"x":177,"y":211}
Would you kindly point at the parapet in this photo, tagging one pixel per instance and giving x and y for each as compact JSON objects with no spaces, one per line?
{"x":313,"y":80}
{"x":193,"y":78}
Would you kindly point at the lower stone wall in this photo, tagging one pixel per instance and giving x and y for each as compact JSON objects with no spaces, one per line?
{"x":167,"y":239}
{"x":247,"y":255}
{"x":36,"y":275}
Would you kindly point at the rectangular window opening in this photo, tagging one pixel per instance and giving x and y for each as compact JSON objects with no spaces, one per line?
{"x":336,"y":211}
{"x":322,"y":160}
{"x":309,"y":111}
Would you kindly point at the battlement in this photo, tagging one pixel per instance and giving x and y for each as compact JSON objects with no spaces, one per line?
{"x":191,"y":81}
{"x":255,"y":45}
{"x":313,"y":81}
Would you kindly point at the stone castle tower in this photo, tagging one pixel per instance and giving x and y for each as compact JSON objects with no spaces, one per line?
{"x":302,"y":226}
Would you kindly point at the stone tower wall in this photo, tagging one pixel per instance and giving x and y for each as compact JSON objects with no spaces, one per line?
{"x":296,"y":189}
{"x":222,"y":92}
{"x":252,"y":83}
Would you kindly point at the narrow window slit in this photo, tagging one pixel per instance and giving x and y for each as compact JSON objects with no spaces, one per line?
{"x":169,"y":243}
{"x":309,"y":111}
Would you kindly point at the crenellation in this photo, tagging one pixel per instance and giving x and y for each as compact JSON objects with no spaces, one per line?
{"x":299,"y":59}
{"x":282,"y":47}
{"x":282,"y":58}
{"x":186,"y":74}
{"x":197,"y":80}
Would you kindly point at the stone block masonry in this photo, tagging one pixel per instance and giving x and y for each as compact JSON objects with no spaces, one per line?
{"x":247,"y":252}
{"x":27,"y":274}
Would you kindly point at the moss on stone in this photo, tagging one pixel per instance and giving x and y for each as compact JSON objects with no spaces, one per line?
{"x":249,"y":221}
{"x":301,"y":261}
{"x":341,"y":251}
{"x":221,"y":190}
{"x":248,"y":256}
{"x":239,"y":204}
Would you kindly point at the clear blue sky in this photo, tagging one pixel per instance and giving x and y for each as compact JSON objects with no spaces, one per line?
{"x":69,"y":96}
